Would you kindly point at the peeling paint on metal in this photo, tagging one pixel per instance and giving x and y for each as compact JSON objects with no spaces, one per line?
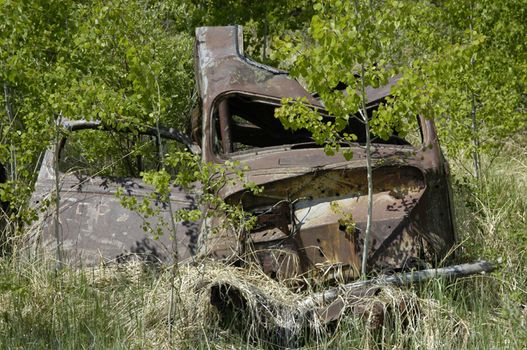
{"x":298,"y":231}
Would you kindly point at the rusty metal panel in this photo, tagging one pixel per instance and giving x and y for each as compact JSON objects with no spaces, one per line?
{"x":95,"y":227}
{"x":299,"y":231}
{"x":221,"y":68}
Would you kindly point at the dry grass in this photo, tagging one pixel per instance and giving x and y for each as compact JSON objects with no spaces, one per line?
{"x":126,"y":306}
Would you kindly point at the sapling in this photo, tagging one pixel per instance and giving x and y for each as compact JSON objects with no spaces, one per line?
{"x":348,"y":44}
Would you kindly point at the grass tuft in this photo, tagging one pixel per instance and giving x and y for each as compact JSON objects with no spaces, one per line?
{"x":126,"y":306}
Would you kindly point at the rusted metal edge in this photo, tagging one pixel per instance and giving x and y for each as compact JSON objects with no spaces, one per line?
{"x":239,"y":50}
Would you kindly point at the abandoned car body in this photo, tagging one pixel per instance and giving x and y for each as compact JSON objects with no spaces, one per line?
{"x":299,"y":230}
{"x":94,"y":226}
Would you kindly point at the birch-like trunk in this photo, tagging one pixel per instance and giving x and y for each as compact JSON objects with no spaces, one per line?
{"x":56,"y":217}
{"x":369,"y":172}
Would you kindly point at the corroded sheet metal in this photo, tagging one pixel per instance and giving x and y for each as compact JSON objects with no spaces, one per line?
{"x":221,"y":67}
{"x":311,"y":215}
{"x":94,"y":226}
{"x":301,"y":225}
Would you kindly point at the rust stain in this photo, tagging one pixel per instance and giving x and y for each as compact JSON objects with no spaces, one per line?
{"x":311,"y":214}
{"x":95,"y":227}
{"x":301,"y":215}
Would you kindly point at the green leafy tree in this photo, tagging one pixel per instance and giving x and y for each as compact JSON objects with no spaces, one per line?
{"x":351,"y":43}
{"x":262,"y":20}
{"x":122,"y":62}
{"x":466,"y":67}
{"x":126,"y":63}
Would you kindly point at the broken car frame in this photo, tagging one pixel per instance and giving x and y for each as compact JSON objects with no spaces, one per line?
{"x":299,"y":230}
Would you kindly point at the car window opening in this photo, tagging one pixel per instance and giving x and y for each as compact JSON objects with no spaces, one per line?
{"x":244,"y":123}
{"x":126,"y":156}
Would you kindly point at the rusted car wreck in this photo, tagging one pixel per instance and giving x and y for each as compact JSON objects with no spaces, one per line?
{"x":93,"y":225}
{"x":298,"y":230}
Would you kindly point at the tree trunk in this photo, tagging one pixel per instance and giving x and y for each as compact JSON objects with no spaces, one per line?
{"x":475,"y":153}
{"x":369,"y":171}
{"x":9,"y":111}
{"x":56,"y":217}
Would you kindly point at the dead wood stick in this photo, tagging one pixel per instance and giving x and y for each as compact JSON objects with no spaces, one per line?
{"x":361,"y":288}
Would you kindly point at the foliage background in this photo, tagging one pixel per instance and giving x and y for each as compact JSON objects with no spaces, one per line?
{"x":129,"y":63}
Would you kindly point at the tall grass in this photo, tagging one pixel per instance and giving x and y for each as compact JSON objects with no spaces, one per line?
{"x":126,"y":307}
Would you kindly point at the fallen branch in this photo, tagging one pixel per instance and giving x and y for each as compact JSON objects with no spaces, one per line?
{"x":361,"y":288}
{"x":240,"y":303}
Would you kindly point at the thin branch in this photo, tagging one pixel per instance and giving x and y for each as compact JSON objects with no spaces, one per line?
{"x":56,"y":218}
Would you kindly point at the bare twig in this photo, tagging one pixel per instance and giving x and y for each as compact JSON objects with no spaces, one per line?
{"x":56,"y":218}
